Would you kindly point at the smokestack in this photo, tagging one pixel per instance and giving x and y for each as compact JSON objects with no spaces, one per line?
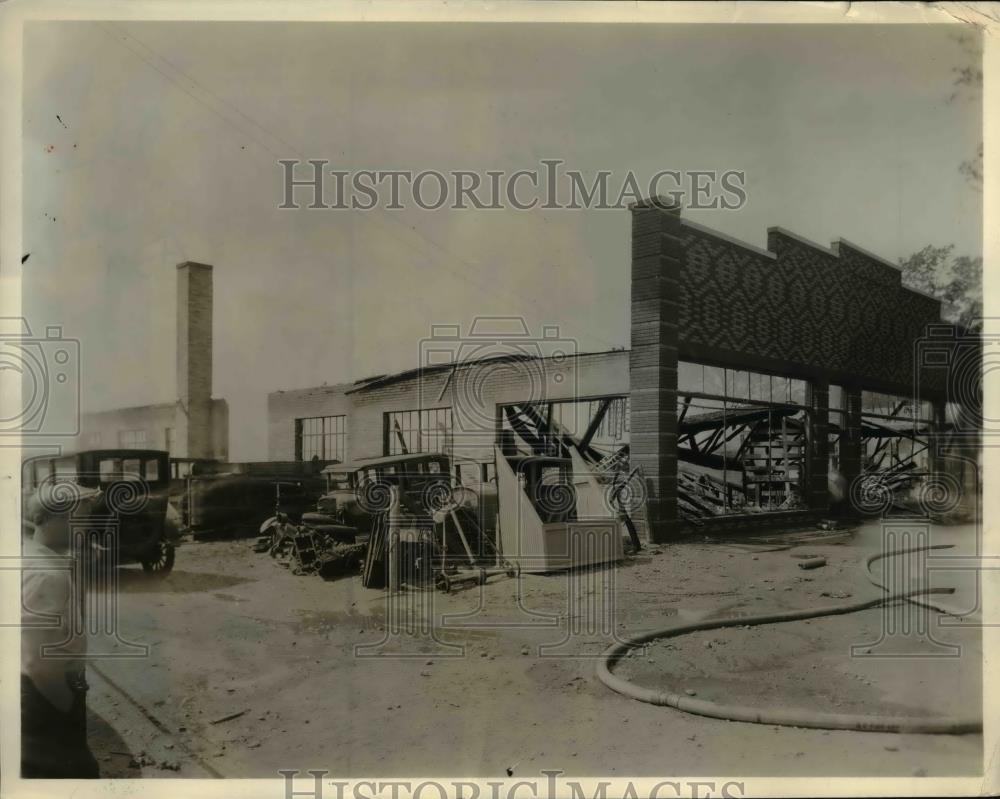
{"x":194,"y":359}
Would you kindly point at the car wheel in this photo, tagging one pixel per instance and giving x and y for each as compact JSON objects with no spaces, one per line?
{"x":161,"y":560}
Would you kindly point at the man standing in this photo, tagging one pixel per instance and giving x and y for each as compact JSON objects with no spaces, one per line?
{"x":53,"y":643}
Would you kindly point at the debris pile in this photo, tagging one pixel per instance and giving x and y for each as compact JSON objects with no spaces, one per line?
{"x":305,"y":550}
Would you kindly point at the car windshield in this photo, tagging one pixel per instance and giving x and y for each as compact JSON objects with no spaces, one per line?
{"x":43,"y":470}
{"x":114,"y":470}
{"x":338,"y":482}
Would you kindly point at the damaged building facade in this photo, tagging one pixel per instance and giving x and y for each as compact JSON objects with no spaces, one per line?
{"x":761,"y":387}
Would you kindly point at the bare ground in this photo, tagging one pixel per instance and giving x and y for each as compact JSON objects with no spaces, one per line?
{"x":231,"y":632}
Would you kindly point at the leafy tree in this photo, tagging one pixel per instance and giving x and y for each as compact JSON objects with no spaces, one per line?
{"x":969,"y":84}
{"x":956,"y":281}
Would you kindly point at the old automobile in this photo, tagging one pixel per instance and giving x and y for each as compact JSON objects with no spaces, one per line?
{"x":230,"y":499}
{"x":132,"y":507}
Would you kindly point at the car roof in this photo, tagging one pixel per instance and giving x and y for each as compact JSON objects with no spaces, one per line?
{"x":338,"y":468}
{"x":414,"y":457}
{"x":115,"y":453}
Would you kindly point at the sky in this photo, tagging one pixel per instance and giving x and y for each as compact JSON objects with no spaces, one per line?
{"x":148,"y":144}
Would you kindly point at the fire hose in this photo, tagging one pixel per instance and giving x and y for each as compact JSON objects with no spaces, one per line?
{"x":789,"y":717}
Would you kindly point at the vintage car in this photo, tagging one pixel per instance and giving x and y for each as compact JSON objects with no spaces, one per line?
{"x":339,"y":504}
{"x":356,"y":494}
{"x":134,"y":488}
{"x":231,"y":499}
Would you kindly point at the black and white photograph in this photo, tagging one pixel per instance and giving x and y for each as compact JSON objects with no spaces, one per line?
{"x":497,"y":400}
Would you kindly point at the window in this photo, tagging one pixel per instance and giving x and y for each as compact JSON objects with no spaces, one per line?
{"x":417,"y":431}
{"x":742,"y":441}
{"x":891,"y":406}
{"x":152,"y":470}
{"x":112,"y":470}
{"x":43,"y":471}
{"x":701,"y":379}
{"x":895,"y":438}
{"x":168,"y":438}
{"x":338,"y":481}
{"x":66,"y":471}
{"x":132,"y":439}
{"x":321,"y":437}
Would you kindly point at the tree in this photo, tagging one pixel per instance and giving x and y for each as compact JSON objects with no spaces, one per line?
{"x":956,"y":281}
{"x":969,"y":83}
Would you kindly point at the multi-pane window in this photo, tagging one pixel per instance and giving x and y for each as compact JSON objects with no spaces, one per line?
{"x":112,"y":470}
{"x":897,"y":408}
{"x":742,"y":440}
{"x":737,"y":384}
{"x":418,"y":431}
{"x":321,"y":437}
{"x":576,"y":416}
{"x":895,"y":437}
{"x":132,"y":439}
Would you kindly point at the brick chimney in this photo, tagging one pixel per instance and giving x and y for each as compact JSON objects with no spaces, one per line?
{"x":194,"y":360}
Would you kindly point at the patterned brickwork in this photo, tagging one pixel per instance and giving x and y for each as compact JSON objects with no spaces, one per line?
{"x":839,"y":312}
{"x":835,"y":315}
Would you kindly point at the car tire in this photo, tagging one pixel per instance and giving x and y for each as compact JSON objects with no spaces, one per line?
{"x":161,"y":560}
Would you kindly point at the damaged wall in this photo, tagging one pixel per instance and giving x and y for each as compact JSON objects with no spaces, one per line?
{"x":798,"y":309}
{"x":472,"y":392}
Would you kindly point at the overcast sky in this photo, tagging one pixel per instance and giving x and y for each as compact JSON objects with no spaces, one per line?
{"x":170,"y":133}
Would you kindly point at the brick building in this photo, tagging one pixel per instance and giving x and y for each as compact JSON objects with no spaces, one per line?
{"x":194,"y":425}
{"x":754,"y":377}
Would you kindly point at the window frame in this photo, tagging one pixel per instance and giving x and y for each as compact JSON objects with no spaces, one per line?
{"x":334,"y":439}
{"x":422,"y":429}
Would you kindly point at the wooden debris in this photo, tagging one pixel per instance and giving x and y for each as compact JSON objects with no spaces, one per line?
{"x":230,"y":717}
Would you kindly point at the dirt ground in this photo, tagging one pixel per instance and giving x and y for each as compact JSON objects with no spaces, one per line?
{"x":251,"y":669}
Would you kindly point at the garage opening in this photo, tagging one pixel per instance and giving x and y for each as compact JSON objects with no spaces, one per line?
{"x":742,"y":441}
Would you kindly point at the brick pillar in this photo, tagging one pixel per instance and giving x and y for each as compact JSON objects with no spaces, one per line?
{"x":656,"y":264}
{"x":850,"y":440}
{"x":194,"y":360}
{"x":816,"y":491}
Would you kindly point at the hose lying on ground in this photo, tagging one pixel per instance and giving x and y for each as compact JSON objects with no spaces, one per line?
{"x":790,"y":717}
{"x":911,"y":599}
